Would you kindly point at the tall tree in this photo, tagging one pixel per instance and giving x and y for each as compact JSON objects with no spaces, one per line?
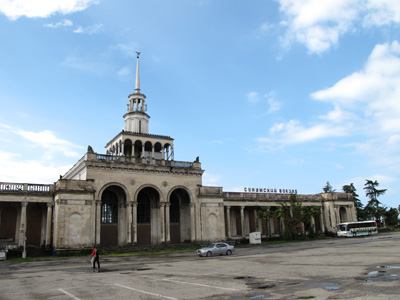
{"x":357,"y":202}
{"x":328,"y":188}
{"x":373,"y":207}
{"x":392,"y":216}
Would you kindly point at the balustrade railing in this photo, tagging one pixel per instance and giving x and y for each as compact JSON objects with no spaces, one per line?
{"x":25,"y":187}
{"x":158,"y":162}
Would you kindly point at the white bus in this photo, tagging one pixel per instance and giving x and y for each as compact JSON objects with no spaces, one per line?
{"x":353,"y":229}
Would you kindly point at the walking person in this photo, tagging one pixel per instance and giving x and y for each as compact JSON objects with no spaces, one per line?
{"x":95,"y":258}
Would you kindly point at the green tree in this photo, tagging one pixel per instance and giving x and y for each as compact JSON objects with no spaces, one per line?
{"x":373,"y":208}
{"x":294,"y":214}
{"x":328,"y":188}
{"x":291,"y":213}
{"x":357,"y":202}
{"x":392,"y":216}
{"x":307,"y":213}
{"x":266,"y":213}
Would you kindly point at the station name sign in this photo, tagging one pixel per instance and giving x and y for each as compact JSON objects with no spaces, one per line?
{"x":265,"y":190}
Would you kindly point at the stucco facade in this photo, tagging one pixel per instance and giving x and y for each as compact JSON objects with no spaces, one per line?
{"x":137,"y":193}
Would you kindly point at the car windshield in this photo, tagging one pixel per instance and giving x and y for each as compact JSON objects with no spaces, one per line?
{"x":212,"y":245}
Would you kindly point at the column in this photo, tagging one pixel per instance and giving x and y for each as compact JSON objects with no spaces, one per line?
{"x":142,"y":150}
{"x":271,"y":226}
{"x":162,"y":221}
{"x":256,"y":220}
{"x":242,"y":220}
{"x":48,"y":223}
{"x":172,"y":152}
{"x":134,"y":222}
{"x":167,"y":223}
{"x":129,"y":222}
{"x":98,"y":222}
{"x":192,"y":223}
{"x":221,"y":222}
{"x":322,"y":220}
{"x":228,"y":221}
{"x":22,"y":227}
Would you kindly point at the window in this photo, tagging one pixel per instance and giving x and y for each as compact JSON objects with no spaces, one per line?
{"x":109,"y":208}
{"x":143,"y":211}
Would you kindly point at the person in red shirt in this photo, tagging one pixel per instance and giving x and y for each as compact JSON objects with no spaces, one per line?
{"x":95,"y":258}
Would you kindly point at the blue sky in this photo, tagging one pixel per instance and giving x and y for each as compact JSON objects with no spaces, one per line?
{"x":273,"y":94}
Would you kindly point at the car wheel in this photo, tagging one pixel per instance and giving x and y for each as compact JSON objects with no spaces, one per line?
{"x":209,"y":254}
{"x":229,"y":252}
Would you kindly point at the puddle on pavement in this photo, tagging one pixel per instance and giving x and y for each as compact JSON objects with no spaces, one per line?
{"x":389,"y":267}
{"x":256,"y":282}
{"x":332,"y":288}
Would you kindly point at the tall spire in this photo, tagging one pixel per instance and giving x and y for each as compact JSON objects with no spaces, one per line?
{"x":137,"y":84}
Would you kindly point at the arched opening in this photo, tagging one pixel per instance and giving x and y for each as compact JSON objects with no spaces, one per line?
{"x":158,"y":151}
{"x":168,"y":152}
{"x":148,"y":148}
{"x":148,"y":216}
{"x":138,"y":149}
{"x":8,"y":224}
{"x":343,"y":214}
{"x":128,"y":148}
{"x":113,"y":217}
{"x":34,"y":225}
{"x":179,"y":213}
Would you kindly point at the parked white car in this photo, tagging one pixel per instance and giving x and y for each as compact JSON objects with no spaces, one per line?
{"x":216,"y":249}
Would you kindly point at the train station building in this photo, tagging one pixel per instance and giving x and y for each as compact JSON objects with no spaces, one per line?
{"x":137,"y":193}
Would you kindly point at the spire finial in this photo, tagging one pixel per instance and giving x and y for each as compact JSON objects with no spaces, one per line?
{"x":137,"y":84}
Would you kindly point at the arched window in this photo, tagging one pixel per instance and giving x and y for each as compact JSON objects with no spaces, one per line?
{"x":109,"y":208}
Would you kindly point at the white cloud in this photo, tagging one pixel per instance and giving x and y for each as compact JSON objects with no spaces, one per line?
{"x":253,"y":97}
{"x":319,"y":24}
{"x":374,"y":91}
{"x":33,"y":161}
{"x":366,"y":108}
{"x":210,"y":179}
{"x":128,"y":49}
{"x":14,"y":9}
{"x":48,"y":141}
{"x":273,"y":104}
{"x":16,"y":169}
{"x":64,"y":23}
{"x":89,"y":29}
{"x":293,"y":132}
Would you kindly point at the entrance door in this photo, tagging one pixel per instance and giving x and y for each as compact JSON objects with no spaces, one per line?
{"x":109,"y":218}
{"x":8,"y":224}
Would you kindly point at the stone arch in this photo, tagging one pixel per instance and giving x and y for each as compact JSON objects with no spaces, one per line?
{"x":343,"y":217}
{"x":110,"y":184}
{"x":148,"y":150}
{"x":113,"y":215}
{"x":148,"y":215}
{"x":8,"y":223}
{"x":180,"y":213}
{"x":158,"y":150}
{"x":128,"y":148}
{"x":138,"y":147}
{"x":168,"y":151}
